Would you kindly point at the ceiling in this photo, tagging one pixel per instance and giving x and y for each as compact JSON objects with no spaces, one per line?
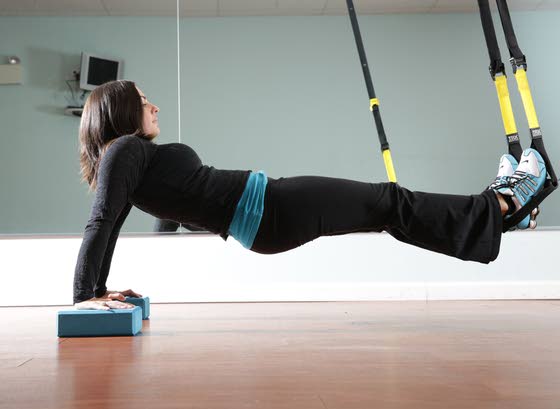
{"x":218,"y":8}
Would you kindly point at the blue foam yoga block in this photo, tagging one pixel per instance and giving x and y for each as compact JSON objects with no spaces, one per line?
{"x":143,"y":303}
{"x":94,"y":323}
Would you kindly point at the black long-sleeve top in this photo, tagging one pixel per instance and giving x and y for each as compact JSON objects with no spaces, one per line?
{"x":167,"y":181}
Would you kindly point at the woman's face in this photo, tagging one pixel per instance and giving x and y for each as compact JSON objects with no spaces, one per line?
{"x":150,"y":124}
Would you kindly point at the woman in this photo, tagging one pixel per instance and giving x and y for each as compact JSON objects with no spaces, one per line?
{"x":125,"y":168}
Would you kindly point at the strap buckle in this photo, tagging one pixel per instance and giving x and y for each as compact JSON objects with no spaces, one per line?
{"x":518,"y":63}
{"x":496,"y":68}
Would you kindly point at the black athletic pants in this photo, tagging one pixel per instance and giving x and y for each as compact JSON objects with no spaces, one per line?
{"x":300,"y":209}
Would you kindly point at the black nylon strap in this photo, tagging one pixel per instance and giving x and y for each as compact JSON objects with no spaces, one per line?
{"x":514,"y":146}
{"x":538,"y":145}
{"x":518,"y":58}
{"x":496,"y":63}
{"x":519,"y":215}
{"x":367,"y":77}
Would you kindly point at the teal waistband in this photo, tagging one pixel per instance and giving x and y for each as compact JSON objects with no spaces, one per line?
{"x":248,"y":214}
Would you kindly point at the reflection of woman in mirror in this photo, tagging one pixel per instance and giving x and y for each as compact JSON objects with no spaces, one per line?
{"x":120,"y":161}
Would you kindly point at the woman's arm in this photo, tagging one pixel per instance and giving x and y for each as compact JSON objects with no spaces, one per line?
{"x":101,"y":285}
{"x":119,"y":174}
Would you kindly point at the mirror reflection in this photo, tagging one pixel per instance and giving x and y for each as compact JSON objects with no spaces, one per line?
{"x":252,"y":85}
{"x":61,"y":51}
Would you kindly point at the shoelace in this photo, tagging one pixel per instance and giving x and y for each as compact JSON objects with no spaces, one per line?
{"x":500,"y":182}
{"x":519,"y":180}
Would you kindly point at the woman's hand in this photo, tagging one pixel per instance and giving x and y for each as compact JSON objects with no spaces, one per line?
{"x":110,"y":300}
{"x":120,"y":295}
{"x":103,"y":304}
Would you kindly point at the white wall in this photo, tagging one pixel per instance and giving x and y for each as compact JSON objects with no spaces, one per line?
{"x":201,"y":268}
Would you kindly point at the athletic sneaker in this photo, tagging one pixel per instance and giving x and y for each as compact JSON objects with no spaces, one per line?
{"x":506,"y":169}
{"x":527,"y":180}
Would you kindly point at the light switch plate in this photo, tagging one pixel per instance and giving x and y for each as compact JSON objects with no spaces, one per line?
{"x":10,"y":74}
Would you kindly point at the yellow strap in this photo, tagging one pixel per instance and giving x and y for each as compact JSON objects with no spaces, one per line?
{"x":525,"y":91}
{"x":389,"y":166}
{"x":373,"y":102}
{"x":505,"y":105}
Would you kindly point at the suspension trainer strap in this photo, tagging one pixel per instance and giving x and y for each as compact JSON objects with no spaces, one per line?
{"x":374,"y":102}
{"x":498,"y":74}
{"x":519,"y":66}
{"x":514,"y":146}
{"x":517,"y":57}
{"x":496,"y":63}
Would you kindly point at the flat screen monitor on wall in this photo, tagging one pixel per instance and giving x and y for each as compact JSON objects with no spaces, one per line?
{"x":97,"y":70}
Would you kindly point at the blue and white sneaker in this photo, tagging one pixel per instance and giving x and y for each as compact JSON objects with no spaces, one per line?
{"x":506,"y":169}
{"x":527,"y":180}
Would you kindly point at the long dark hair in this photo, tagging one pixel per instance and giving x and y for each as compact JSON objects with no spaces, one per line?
{"x":112,"y":110}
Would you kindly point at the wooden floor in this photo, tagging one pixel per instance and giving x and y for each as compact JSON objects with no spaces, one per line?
{"x":448,"y":355}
